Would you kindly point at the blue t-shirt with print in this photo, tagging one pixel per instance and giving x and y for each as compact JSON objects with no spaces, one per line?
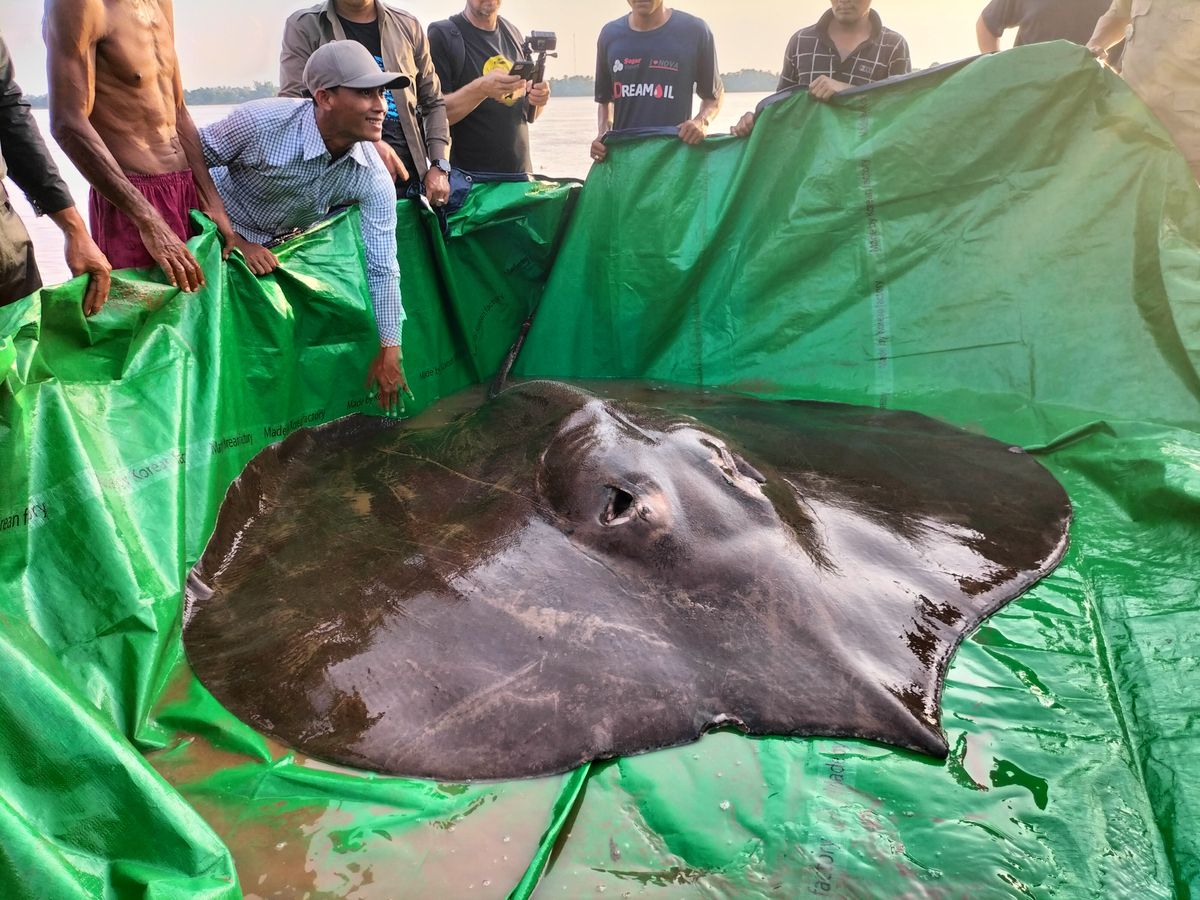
{"x":650,"y":76}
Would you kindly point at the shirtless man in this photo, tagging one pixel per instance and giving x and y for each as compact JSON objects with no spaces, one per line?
{"x":117,"y":110}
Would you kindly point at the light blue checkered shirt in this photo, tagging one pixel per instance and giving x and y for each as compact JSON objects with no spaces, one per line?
{"x":273,"y":171}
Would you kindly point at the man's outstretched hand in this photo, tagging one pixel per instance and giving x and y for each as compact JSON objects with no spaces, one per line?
{"x":84,"y":257}
{"x":825,"y":88}
{"x":392,"y":162}
{"x":744,"y":126}
{"x":173,"y":256}
{"x":693,"y":131}
{"x":387,"y":372}
{"x":259,"y":259}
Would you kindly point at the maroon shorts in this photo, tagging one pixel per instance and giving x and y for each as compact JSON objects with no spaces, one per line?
{"x":173,"y":195}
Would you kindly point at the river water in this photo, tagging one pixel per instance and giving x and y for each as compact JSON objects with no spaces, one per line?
{"x":559,"y":146}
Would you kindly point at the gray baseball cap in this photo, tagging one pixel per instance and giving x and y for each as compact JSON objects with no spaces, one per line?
{"x":347,"y":64}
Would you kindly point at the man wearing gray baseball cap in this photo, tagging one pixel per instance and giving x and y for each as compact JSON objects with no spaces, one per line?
{"x":283,"y":164}
{"x":347,"y":64}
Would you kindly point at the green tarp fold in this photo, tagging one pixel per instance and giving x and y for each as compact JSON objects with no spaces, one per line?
{"x":1012,"y":245}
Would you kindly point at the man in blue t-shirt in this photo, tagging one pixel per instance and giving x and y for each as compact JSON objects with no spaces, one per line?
{"x":648,"y":63}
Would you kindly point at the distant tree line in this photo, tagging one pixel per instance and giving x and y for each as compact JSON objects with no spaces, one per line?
{"x":227,"y":96}
{"x":208,"y":96}
{"x":573,"y":86}
{"x":750,"y":81}
{"x":747,"y":80}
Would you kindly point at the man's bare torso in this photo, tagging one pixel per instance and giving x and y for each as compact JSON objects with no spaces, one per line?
{"x":136,"y":80}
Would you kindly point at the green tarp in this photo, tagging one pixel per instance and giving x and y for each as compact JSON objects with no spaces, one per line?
{"x":1011,"y":245}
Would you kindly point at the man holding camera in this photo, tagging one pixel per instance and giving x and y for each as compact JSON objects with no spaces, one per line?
{"x":491,"y":89}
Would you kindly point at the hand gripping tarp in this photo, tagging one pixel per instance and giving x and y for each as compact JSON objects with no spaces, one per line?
{"x":1012,"y":245}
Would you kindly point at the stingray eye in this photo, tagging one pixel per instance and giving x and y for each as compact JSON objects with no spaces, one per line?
{"x":621,"y":508}
{"x":722,"y":459}
{"x":748,"y":470}
{"x":731,"y":464}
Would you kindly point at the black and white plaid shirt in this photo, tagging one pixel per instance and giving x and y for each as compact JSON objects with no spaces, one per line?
{"x":811,"y":53}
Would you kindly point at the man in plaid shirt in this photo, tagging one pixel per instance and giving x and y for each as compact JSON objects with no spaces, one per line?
{"x":284,"y":164}
{"x":848,"y":47}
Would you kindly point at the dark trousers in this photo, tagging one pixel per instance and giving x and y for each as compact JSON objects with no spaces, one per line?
{"x":19,"y":276}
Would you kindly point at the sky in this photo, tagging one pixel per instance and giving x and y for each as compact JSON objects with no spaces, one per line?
{"x":236,"y":42}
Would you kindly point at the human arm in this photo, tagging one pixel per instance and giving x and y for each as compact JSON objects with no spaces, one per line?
{"x":259,"y":259}
{"x":437,"y":186}
{"x":377,"y":208}
{"x":604,"y":97}
{"x":495,"y":85}
{"x":29,"y":162}
{"x":988,"y":42}
{"x":789,"y":77}
{"x":604,"y":123}
{"x":824,"y":88}
{"x":694,"y":130}
{"x":463,"y":100}
{"x":434,"y":121}
{"x":537,"y":89}
{"x":33,"y":170}
{"x":538,"y":96}
{"x":901,"y":61}
{"x":391,"y":161}
{"x":710,"y":89}
{"x":387,"y":373}
{"x":994,"y":20}
{"x":1110,"y":28}
{"x":227,"y":141}
{"x":84,"y":258}
{"x":72,"y":29}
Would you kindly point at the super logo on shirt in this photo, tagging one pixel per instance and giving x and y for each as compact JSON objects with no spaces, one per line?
{"x":645,"y":85}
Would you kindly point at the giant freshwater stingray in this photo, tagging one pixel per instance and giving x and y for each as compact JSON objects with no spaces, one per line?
{"x":556,"y":578}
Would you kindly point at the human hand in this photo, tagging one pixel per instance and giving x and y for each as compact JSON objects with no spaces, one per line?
{"x":392,"y":161}
{"x":744,"y":126}
{"x":85,"y":258}
{"x":172,"y":256}
{"x":499,"y":85}
{"x":437,"y":186}
{"x":387,"y":372}
{"x":1098,"y":51}
{"x":693,"y":131}
{"x":823,"y":87}
{"x":539,"y":94}
{"x":259,"y":259}
{"x":599,"y":151}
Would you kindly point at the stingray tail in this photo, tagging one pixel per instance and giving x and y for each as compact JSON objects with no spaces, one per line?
{"x":510,"y":359}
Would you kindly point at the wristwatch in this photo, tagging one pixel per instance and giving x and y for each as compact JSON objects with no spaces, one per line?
{"x":442,"y":164}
